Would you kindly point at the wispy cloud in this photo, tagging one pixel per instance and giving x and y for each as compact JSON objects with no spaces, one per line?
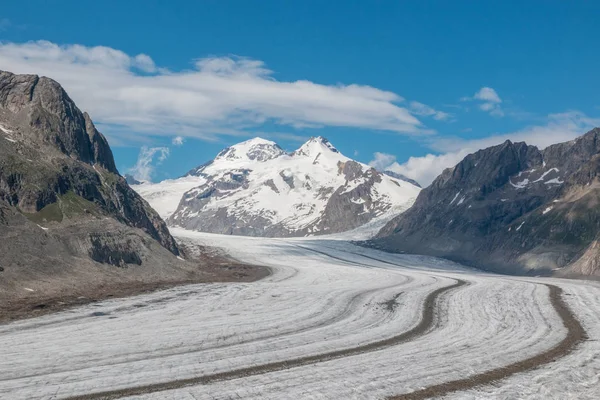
{"x":381,"y":161}
{"x":148,"y":159}
{"x":178,"y":141}
{"x":219,"y":94}
{"x":426,"y":168}
{"x":427,"y":111}
{"x":489,"y":101}
{"x":558,"y":128}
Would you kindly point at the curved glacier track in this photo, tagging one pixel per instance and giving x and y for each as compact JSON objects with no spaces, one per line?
{"x":423,"y":326}
{"x":332,"y":321}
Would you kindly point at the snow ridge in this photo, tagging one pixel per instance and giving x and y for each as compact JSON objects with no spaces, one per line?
{"x":255,"y":188}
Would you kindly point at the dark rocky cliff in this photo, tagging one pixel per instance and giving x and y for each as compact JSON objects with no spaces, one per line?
{"x":50,"y":149}
{"x":510,"y":208}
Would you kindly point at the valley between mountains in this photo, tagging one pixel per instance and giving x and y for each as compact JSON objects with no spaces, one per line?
{"x":273,"y":274}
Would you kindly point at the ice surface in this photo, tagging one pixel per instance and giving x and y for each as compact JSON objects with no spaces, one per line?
{"x":323,"y":295}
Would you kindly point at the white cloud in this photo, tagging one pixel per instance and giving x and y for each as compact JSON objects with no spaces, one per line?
{"x":147,"y":161}
{"x":381,"y":161}
{"x":422,"y":169}
{"x":487,"y":94}
{"x":178,"y":141}
{"x":220,"y":94}
{"x":487,"y":106}
{"x":425,"y":169}
{"x":489,"y":101}
{"x":427,"y":111}
{"x":559,"y":128}
{"x":144,"y":62}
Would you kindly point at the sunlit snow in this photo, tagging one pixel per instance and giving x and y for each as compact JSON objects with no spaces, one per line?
{"x":323,"y":295}
{"x":288,"y":189}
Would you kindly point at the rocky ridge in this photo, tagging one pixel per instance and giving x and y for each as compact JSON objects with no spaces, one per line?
{"x":510,"y":208}
{"x":69,"y":223}
{"x":51,"y":149}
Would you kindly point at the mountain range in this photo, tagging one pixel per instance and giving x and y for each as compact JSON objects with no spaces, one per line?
{"x":255,"y":188}
{"x":510,"y":208}
{"x":65,"y":211}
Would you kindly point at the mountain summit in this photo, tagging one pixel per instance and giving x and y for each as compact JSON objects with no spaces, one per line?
{"x":314,"y":146}
{"x":51,"y":149}
{"x":52,"y":119}
{"x":254,"y":188}
{"x":256,"y":149}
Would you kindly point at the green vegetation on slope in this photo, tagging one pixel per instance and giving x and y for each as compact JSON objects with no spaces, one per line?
{"x":68,"y":205}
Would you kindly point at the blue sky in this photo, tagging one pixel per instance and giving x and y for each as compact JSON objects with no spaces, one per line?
{"x":384,"y":81}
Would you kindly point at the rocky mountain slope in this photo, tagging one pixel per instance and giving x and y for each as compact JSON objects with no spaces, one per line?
{"x":511,"y":208}
{"x":67,"y":218}
{"x":256,"y":189}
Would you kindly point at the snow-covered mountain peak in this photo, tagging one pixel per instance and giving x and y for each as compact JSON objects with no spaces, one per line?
{"x":256,"y":149}
{"x":255,"y":188}
{"x":314,"y":146}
